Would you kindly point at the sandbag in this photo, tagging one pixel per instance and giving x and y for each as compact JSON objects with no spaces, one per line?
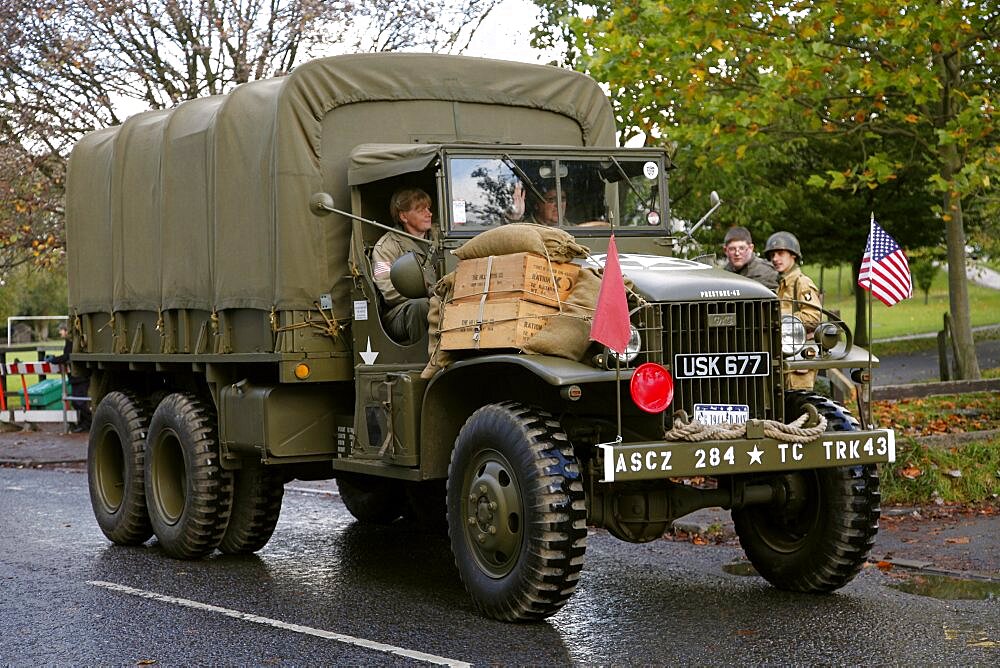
{"x":439,"y":359}
{"x":568,"y":333}
{"x":551,"y":242}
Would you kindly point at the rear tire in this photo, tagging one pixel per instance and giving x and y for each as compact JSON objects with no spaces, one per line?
{"x":516,"y":513}
{"x":370,"y":498}
{"x":116,"y":469}
{"x":257,"y":494}
{"x":188,"y":493}
{"x":819,"y":541}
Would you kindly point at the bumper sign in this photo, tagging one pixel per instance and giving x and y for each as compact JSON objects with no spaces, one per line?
{"x":649,"y":461}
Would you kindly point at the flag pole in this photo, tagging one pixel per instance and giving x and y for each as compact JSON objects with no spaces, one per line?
{"x":871,"y":342}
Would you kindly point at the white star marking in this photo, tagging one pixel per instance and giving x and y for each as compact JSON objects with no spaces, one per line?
{"x":755,"y":456}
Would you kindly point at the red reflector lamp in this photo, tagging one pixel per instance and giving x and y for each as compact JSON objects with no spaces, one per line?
{"x":652,"y":388}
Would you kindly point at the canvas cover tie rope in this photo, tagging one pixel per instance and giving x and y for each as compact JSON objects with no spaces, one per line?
{"x":328,"y":325}
{"x":686,"y":429}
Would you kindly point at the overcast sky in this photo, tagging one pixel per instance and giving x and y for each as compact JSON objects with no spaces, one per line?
{"x":505,"y":34}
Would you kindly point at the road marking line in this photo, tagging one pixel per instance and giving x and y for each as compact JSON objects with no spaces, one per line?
{"x":277,"y":623}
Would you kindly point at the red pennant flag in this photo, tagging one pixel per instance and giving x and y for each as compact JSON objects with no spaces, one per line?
{"x":611,"y":321}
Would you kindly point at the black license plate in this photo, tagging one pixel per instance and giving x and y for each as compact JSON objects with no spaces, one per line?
{"x":721,"y":365}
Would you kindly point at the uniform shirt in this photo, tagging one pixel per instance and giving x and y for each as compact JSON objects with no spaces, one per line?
{"x":794,"y":285}
{"x":759,"y":270}
{"x":390,"y":248}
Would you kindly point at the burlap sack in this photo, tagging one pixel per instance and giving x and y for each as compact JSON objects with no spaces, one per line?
{"x":551,"y":242}
{"x":568,"y":334}
{"x":439,"y":359}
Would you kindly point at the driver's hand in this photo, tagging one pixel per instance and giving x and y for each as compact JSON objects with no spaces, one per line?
{"x":516,"y":211}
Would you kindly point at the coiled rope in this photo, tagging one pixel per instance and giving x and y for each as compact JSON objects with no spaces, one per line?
{"x":686,"y":429}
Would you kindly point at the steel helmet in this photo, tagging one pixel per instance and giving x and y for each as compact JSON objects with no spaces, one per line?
{"x":783,"y":241}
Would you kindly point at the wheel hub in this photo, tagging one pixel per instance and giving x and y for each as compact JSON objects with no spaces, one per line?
{"x":493,"y":516}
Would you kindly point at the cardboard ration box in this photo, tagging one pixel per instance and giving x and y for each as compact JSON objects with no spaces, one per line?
{"x":500,"y":323}
{"x":515,"y":276}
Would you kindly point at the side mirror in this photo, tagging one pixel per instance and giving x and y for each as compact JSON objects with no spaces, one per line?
{"x":408,"y":277}
{"x":321,"y":204}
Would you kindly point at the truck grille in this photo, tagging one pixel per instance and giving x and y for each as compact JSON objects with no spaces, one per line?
{"x":744,"y":326}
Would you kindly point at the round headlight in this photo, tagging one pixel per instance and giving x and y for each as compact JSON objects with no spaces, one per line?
{"x":632,"y":348}
{"x":793,"y":335}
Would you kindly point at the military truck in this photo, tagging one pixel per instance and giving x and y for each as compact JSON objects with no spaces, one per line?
{"x":234,"y":341}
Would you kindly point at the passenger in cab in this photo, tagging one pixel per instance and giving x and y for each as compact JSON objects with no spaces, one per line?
{"x":406,"y":319}
{"x":545,"y":211}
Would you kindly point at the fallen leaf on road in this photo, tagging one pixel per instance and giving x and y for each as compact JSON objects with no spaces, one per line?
{"x":699,"y":540}
{"x":884,"y":565}
{"x":746,"y":632}
{"x":961,"y":540}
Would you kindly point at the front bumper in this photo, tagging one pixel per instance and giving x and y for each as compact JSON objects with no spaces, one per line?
{"x":670,"y":459}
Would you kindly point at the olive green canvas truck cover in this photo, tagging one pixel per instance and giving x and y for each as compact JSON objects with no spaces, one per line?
{"x":205,"y":207}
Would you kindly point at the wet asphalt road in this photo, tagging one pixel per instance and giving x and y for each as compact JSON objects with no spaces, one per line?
{"x":923,"y":366}
{"x":660,"y":603}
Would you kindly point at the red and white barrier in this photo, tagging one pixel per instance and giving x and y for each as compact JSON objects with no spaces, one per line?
{"x":26,"y":414}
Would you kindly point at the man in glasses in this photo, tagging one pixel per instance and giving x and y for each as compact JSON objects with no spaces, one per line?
{"x":740,"y":258}
{"x":545,"y":211}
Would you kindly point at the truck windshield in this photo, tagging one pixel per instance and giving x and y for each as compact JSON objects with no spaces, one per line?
{"x":585,"y":192}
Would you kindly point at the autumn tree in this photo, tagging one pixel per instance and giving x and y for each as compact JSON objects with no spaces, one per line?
{"x":894,"y":89}
{"x":70,"y":66}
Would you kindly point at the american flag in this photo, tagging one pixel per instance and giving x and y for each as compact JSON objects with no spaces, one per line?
{"x":884,"y":268}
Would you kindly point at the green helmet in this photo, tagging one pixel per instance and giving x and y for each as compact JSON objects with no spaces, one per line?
{"x":783,"y":241}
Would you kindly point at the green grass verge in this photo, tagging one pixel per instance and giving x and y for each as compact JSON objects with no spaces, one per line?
{"x":923,"y":474}
{"x":961,"y":473}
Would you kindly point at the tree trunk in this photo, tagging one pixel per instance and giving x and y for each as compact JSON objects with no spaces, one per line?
{"x":967,"y":365}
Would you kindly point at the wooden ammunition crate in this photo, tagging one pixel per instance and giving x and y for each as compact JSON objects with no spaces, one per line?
{"x":501,"y":323}
{"x":516,"y":276}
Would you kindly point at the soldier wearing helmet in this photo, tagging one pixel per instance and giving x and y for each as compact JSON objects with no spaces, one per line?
{"x":740,"y":258}
{"x":797,"y":292}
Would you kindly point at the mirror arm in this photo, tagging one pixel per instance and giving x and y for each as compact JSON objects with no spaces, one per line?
{"x":704,"y":218}
{"x":324,"y":207}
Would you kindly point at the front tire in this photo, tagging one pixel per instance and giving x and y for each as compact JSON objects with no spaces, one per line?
{"x":516,"y":513}
{"x":116,"y":469}
{"x":188,"y":493}
{"x":820,"y":537}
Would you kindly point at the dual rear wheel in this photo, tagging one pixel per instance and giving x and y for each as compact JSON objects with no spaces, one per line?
{"x":162,"y":475}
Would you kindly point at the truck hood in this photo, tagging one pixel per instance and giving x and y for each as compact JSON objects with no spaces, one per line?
{"x":669,"y":279}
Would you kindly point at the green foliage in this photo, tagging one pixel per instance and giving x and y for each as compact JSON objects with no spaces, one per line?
{"x":809,"y":115}
{"x":29,"y":290}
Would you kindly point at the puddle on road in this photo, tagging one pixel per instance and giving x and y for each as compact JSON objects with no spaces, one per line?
{"x":739,"y":568}
{"x":948,"y":588}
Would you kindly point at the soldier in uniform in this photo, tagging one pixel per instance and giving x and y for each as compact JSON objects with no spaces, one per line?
{"x":406,"y":319}
{"x":740,"y":258}
{"x":796,"y":292}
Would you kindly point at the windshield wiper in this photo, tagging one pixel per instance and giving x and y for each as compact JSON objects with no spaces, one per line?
{"x":521,"y":174}
{"x":625,"y":177}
